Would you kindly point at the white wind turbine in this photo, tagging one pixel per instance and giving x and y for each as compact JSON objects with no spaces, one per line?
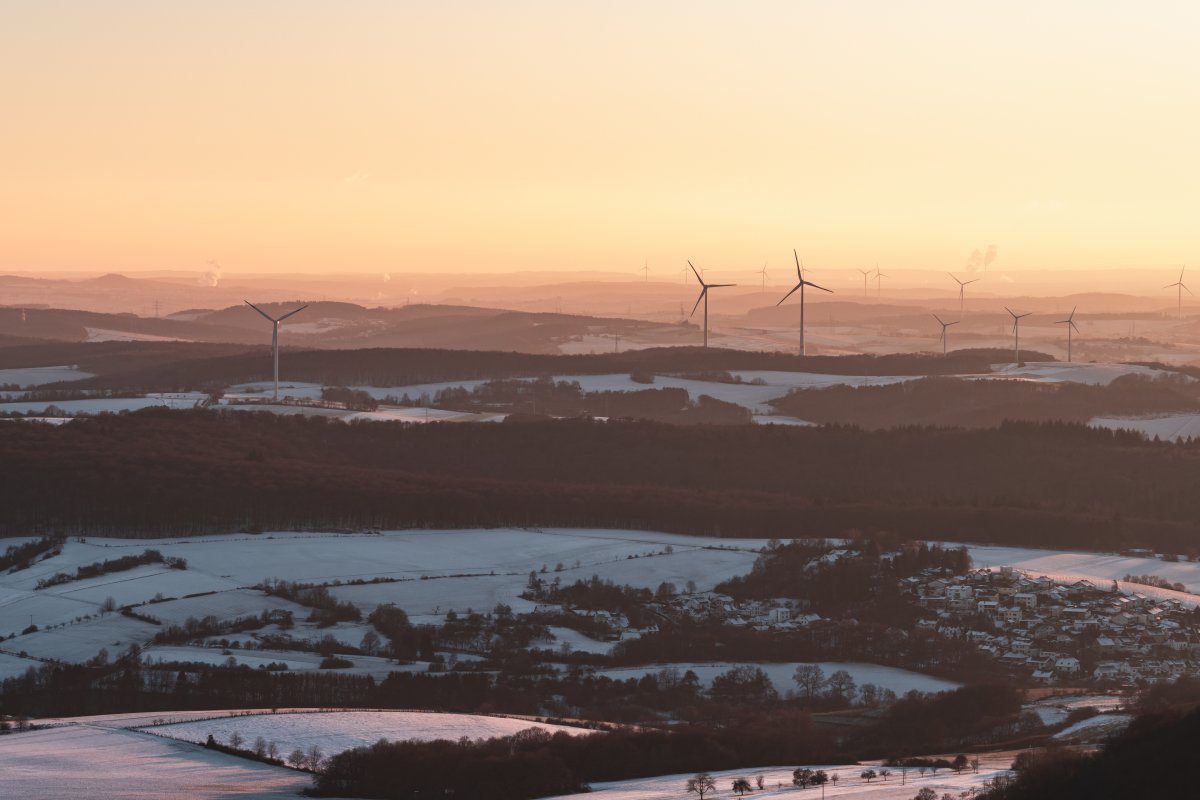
{"x":866,"y":273}
{"x":704,"y":296}
{"x":961,"y":286}
{"x":1070,"y":323}
{"x":275,"y":336}
{"x":1179,"y":283}
{"x":945,"y":325}
{"x":801,"y":282}
{"x":1017,"y":333}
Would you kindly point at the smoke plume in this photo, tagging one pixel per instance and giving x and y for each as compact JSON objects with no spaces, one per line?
{"x":213,"y":276}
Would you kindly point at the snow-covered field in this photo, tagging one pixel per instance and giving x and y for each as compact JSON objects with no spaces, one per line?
{"x":1094,"y":728}
{"x":29,"y":377}
{"x":1168,"y":427}
{"x":111,"y":405}
{"x":430,"y":573}
{"x":778,"y":782}
{"x":1078,"y":372}
{"x":336,"y":731}
{"x":898,"y":680}
{"x":88,"y":760}
{"x":1100,"y":568}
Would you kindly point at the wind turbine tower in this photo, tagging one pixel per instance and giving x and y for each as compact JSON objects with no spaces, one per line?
{"x":763,"y":272}
{"x":645,"y":270}
{"x":1181,"y":287}
{"x":801,"y":282}
{"x":1070,"y":323}
{"x":945,"y":325}
{"x":704,"y":296}
{"x":961,"y":286}
{"x":866,"y":273}
{"x":275,"y":336}
{"x":1017,"y":333}
{"x":878,"y":282}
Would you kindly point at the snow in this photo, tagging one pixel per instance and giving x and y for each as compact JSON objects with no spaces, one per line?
{"x":1054,"y":710}
{"x":778,"y":782}
{"x":108,"y":335}
{"x":1169,"y":427}
{"x":27,"y":377}
{"x":1100,"y":568}
{"x":1094,"y":728}
{"x":898,"y":680}
{"x":1062,"y":372}
{"x":575,"y":640}
{"x":110,"y":405}
{"x":433,"y":571}
{"x":336,"y":731}
{"x":86,"y":760}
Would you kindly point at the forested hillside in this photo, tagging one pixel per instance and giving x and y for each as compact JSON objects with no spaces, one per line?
{"x":159,"y":472}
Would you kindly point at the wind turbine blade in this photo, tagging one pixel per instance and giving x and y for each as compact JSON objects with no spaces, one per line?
{"x":259,"y":310}
{"x":1073,"y":325}
{"x":799,"y":272}
{"x":1072,"y":314}
{"x":297,"y":311}
{"x":822,"y":288}
{"x":939,"y":319}
{"x":956,"y":280}
{"x":697,"y":273}
{"x":703,"y":292}
{"x":948,"y":324}
{"x":1185,"y":288}
{"x":1169,"y":285}
{"x":1010,"y":311}
{"x":789,"y":294}
{"x":973,"y":280}
{"x":718,"y":285}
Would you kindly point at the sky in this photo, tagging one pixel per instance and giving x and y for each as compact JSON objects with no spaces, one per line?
{"x":502,"y":136}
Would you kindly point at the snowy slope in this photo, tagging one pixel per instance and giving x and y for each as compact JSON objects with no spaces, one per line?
{"x":92,"y":762}
{"x":341,"y":730}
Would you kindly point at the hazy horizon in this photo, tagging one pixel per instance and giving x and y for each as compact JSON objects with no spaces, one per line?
{"x":536,"y":136}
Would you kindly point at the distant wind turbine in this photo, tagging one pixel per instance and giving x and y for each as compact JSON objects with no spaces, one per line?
{"x":763,"y":272}
{"x":704,"y":296}
{"x":1017,"y":332}
{"x":961,"y":286}
{"x":878,"y":282}
{"x":801,"y":282}
{"x":866,"y":273}
{"x":1179,"y":283}
{"x":1070,"y":323}
{"x":645,"y":270}
{"x":944,"y":326}
{"x":275,"y":336}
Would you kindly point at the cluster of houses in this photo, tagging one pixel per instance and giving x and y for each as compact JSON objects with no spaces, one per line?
{"x":1063,"y":632}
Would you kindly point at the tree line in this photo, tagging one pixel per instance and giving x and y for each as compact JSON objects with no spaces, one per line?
{"x":160,"y":472}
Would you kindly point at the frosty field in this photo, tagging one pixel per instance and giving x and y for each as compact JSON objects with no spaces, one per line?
{"x":92,"y":760}
{"x":898,"y":680}
{"x":335,"y":731}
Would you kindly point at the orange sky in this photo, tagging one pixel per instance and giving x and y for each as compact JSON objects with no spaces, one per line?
{"x":473,"y":136}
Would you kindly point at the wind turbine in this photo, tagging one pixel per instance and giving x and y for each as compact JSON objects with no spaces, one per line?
{"x":878,"y":282}
{"x":1017,"y":332}
{"x":645,"y":270}
{"x":961,"y":285}
{"x":275,"y":336}
{"x":704,"y":296}
{"x":763,"y":272}
{"x":944,"y":326}
{"x":866,"y":273}
{"x":1070,"y":323}
{"x":1179,"y":283}
{"x":801,"y":282}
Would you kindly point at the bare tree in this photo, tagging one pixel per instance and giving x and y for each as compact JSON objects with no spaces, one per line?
{"x":260,"y":747}
{"x":236,"y":741}
{"x":975,"y":764}
{"x":883,"y":773}
{"x":315,"y":757}
{"x":960,"y":762}
{"x":297,"y":759}
{"x":741,"y":786}
{"x":760,"y":782}
{"x":925,"y":793}
{"x":868,"y":775}
{"x":273,"y":751}
{"x":701,"y":785}
{"x":810,"y":679}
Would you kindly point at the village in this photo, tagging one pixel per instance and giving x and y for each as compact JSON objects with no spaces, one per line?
{"x":1063,"y":632}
